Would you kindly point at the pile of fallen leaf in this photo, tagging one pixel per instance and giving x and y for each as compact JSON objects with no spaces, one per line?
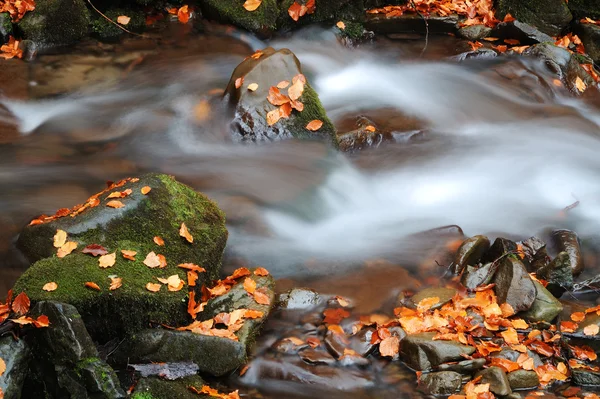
{"x":16,"y":9}
{"x":295,"y":11}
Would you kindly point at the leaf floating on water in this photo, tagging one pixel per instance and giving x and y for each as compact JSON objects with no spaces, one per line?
{"x":92,"y":285}
{"x":251,"y":5}
{"x":580,"y":85}
{"x":202,"y":111}
{"x":66,"y":249}
{"x":95,"y":250}
{"x":578,"y":316}
{"x":115,"y":204}
{"x":123,"y":19}
{"x":253,"y":86}
{"x":261,"y":271}
{"x":21,"y":303}
{"x":115,"y":283}
{"x":341,"y":25}
{"x":51,"y":286}
{"x":60,"y":238}
{"x":314,"y":125}
{"x":152,"y":260}
{"x":153,"y":287}
{"x":127,"y":254}
{"x":185,"y":233}
{"x":158,"y":241}
{"x":145,"y":190}
{"x":239,"y":82}
{"x":107,"y":260}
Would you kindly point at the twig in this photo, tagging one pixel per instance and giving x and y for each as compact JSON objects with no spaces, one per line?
{"x":114,"y":23}
{"x":412,"y":2}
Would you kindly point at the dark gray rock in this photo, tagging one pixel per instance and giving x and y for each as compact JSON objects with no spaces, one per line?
{"x":316,"y":356}
{"x":559,"y":274}
{"x":513,"y":355}
{"x":421,"y":352}
{"x":585,"y":8}
{"x":444,"y":295}
{"x":168,"y":371}
{"x":441,"y":382}
{"x":524,"y":33}
{"x":549,"y":16}
{"x":6,"y":27}
{"x":474,"y":32}
{"x":56,"y":22}
{"x":545,"y":307}
{"x":586,"y":378}
{"x":158,"y":388}
{"x":361,"y":139}
{"x":16,"y":355}
{"x":99,"y":379}
{"x":410,"y":23}
{"x":361,"y":341}
{"x":523,"y":379}
{"x":499,"y":248}
{"x":474,"y":277}
{"x":482,"y":53}
{"x":299,"y":299}
{"x":262,"y":21}
{"x":567,"y":241}
{"x":470,"y":252}
{"x":590,"y":36}
{"x":335,"y":344}
{"x":535,"y":253}
{"x":513,"y":284}
{"x":465,"y":366}
{"x":497,"y":379}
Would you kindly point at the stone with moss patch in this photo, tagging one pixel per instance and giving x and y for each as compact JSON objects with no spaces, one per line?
{"x":263,"y":20}
{"x":549,"y":16}
{"x":252,"y":107}
{"x":585,"y":8}
{"x":6,"y":28}
{"x":56,"y":22}
{"x":156,"y":388}
{"x":109,"y":31}
{"x":325,"y":11}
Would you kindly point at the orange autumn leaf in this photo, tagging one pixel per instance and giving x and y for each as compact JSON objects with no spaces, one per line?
{"x":426,"y":303}
{"x":512,"y":42}
{"x":185,"y":233}
{"x":66,"y":249}
{"x":145,"y":190}
{"x":162,"y":260}
{"x":128,"y":254}
{"x":239,"y":82}
{"x":261,"y":271}
{"x":21,"y":303}
{"x":253,"y":86}
{"x":261,"y":297}
{"x":341,"y":25}
{"x":192,"y":277}
{"x":115,"y":283}
{"x":578,"y":316}
{"x":273,"y":117}
{"x":94,"y":250}
{"x":183,"y":14}
{"x":174,"y":283}
{"x":239,"y":272}
{"x":41,"y":321}
{"x":191,"y":266}
{"x":294,"y":11}
{"x":153,"y":287}
{"x":115,"y":204}
{"x":505,"y":364}
{"x":390,"y":346}
{"x":249,"y":285}
{"x":285,"y":110}
{"x":510,"y":336}
{"x":107,"y":260}
{"x":123,"y":19}
{"x":275,"y":97}
{"x":92,"y":285}
{"x":152,"y":260}
{"x":158,"y":241}
{"x":314,"y":125}
{"x":60,"y":238}
{"x":283,"y":84}
{"x":296,"y":89}
{"x":206,"y":390}
{"x":51,"y":286}
{"x":580,"y":84}
{"x":253,"y":314}
{"x":370,"y":128}
{"x":251,"y":5}
{"x":335,"y":316}
{"x":11,"y":49}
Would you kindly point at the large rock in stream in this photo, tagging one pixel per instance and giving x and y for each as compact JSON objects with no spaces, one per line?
{"x":16,"y":355}
{"x":263,"y":20}
{"x":267,"y":69}
{"x":549,"y":16}
{"x":159,"y":213}
{"x":513,"y":284}
{"x":56,"y":22}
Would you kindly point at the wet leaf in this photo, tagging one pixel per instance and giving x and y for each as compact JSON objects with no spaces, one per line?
{"x":314,"y":125}
{"x":66,"y":249}
{"x":41,"y":322}
{"x":153,"y":287}
{"x":370,"y":128}
{"x":251,"y":5}
{"x":128,"y":254}
{"x":578,"y":316}
{"x":512,"y":42}
{"x":115,"y":204}
{"x":183,"y":14}
{"x":249,"y":285}
{"x":184,"y":232}
{"x":296,"y":89}
{"x":51,"y":286}
{"x":584,"y":353}
{"x":123,"y":19}
{"x":261,"y":271}
{"x":162,"y":260}
{"x":335,"y":316}
{"x":390,"y":346}
{"x":145,"y":190}
{"x":294,"y":11}
{"x":275,"y":97}
{"x":95,"y":250}
{"x":273,"y":117}
{"x":239,"y":272}
{"x":152,"y":260}
{"x":253,"y":86}
{"x":92,"y":285}
{"x":591,"y":330}
{"x":192,"y":277}
{"x":510,"y":336}
{"x":21,"y":303}
{"x":239,"y":82}
{"x":107,"y":260}
{"x":191,"y":266}
{"x":60,"y":238}
{"x":11,"y":49}
{"x":175,"y":283}
{"x":115,"y":282}
{"x":206,"y":390}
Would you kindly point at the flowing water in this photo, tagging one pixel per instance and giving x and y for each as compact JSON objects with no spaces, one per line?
{"x":493,"y":146}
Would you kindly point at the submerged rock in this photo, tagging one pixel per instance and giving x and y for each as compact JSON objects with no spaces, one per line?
{"x":133,"y":227}
{"x":470,"y":252}
{"x":362,"y":138}
{"x":549,"y":16}
{"x":465,"y":366}
{"x":56,"y":22}
{"x":16,"y":355}
{"x":523,"y":379}
{"x":441,"y":382}
{"x":474,"y":32}
{"x":299,"y":299}
{"x":421,"y":352}
{"x":496,"y":377}
{"x":567,"y":241}
{"x":524,"y":33}
{"x":380,"y":23}
{"x":513,"y":284}
{"x":558,"y":273}
{"x":545,"y":307}
{"x":252,"y":107}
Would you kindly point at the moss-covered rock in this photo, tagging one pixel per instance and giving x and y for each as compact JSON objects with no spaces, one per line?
{"x":251,"y":107}
{"x":585,"y":8}
{"x":6,"y":27}
{"x":109,"y":31}
{"x":263,"y":20}
{"x":156,"y":388}
{"x":133,"y":227}
{"x":325,"y":11}
{"x":549,"y":16}
{"x":56,"y":22}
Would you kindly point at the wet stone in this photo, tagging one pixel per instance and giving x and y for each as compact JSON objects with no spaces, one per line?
{"x":497,"y":379}
{"x":335,"y":344}
{"x":545,"y":307}
{"x":559,"y":274}
{"x":499,"y":248}
{"x":590,"y":36}
{"x":513,"y":355}
{"x":353,"y":360}
{"x":361,"y":341}
{"x":482,"y":53}
{"x":523,"y":379}
{"x":16,"y":355}
{"x":474,"y":277}
{"x":464,"y":367}
{"x":474,"y":32}
{"x":445,"y":295}
{"x":441,"y":382}
{"x":299,"y":299}
{"x":586,"y":378}
{"x":410,"y":23}
{"x":100,"y":379}
{"x":535,"y":253}
{"x":514,"y":285}
{"x":470,"y":252}
{"x":158,"y":388}
{"x":316,"y":356}
{"x":421,"y":352}
{"x":567,"y":241}
{"x":286,"y":346}
{"x":524,"y":33}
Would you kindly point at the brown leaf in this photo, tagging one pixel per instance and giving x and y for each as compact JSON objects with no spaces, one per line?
{"x":294,"y":11}
{"x":273,"y":117}
{"x":115,"y":204}
{"x":578,"y":316}
{"x":191,"y":266}
{"x":175,"y":283}
{"x":185,"y":233}
{"x":162,"y":260}
{"x":123,"y":19}
{"x":297,"y":105}
{"x":335,"y":316}
{"x":249,"y":285}
{"x":152,"y":260}
{"x":275,"y":97}
{"x":107,"y":260}
{"x":115,"y":282}
{"x":389,"y":346}
{"x":51,"y":286}
{"x":314,"y":125}
{"x":251,"y":5}
{"x":95,"y":250}
{"x":145,"y":190}
{"x":192,"y":277}
{"x":60,"y":238}
{"x":580,"y":85}
{"x":261,"y":271}
{"x":92,"y":285}
{"x":285,"y":110}
{"x":21,"y":303}
{"x":283,"y":84}
{"x":127,"y":254}
{"x":239,"y":272}
{"x":41,"y":321}
{"x":66,"y":249}
{"x":153,"y":287}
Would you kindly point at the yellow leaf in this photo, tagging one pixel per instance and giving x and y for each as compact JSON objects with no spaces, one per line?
{"x":60,"y":238}
{"x":115,"y":282}
{"x":253,"y":86}
{"x":145,"y":190}
{"x":314,"y":125}
{"x":66,"y":249}
{"x":273,"y":117}
{"x":107,"y":260}
{"x":185,"y":233}
{"x":591,"y":330}
{"x":153,"y":287}
{"x":152,"y":260}
{"x":580,"y":84}
{"x":2,"y":366}
{"x":50,"y":286}
{"x":115,"y":204}
{"x":123,"y":19}
{"x":341,"y":25}
{"x":251,"y":5}
{"x":127,"y":254}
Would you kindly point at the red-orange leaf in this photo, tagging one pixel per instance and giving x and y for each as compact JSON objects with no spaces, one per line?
{"x":95,"y":250}
{"x":183,"y":14}
{"x":21,"y":304}
{"x":314,"y":125}
{"x":92,"y":285}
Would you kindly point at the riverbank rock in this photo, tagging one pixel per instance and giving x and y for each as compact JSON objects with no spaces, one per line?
{"x":474,"y":32}
{"x":524,"y":33}
{"x":470,"y":252}
{"x":514,"y":285}
{"x":549,"y":16}
{"x":324,"y":11}
{"x":473,"y":277}
{"x":568,"y":241}
{"x":262,"y":21}
{"x":133,"y":227}
{"x":16,"y":355}
{"x":411,"y":23}
{"x":421,"y":352}
{"x":558,"y":274}
{"x":496,"y":377}
{"x":585,"y":8}
{"x":441,"y":382}
{"x":267,"y":69}
{"x":56,"y":22}
{"x":523,"y":379}
{"x":586,"y":378}
{"x":108,"y":31}
{"x":590,"y":36}
{"x":158,"y":388}
{"x":545,"y":307}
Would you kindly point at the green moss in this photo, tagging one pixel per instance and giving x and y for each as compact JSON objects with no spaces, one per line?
{"x":353,"y":30}
{"x":6,"y":28}
{"x":585,"y":8}
{"x":143,"y":395}
{"x":325,"y":11}
{"x":156,"y":388}
{"x":107,"y":30}
{"x":263,"y":20}
{"x":56,"y":22}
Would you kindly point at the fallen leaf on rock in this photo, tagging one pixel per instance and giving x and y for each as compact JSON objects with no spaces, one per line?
{"x":285,"y":110}
{"x":261,"y":271}
{"x":158,"y":241}
{"x":206,"y":390}
{"x":162,"y":260}
{"x":145,"y":190}
{"x":153,"y":287}
{"x":273,"y":117}
{"x":275,"y":97}
{"x":11,"y":49}
{"x":249,"y":285}
{"x":294,"y":11}
{"x":115,"y":282}
{"x":239,"y":272}
{"x":152,"y":260}
{"x":175,"y":283}
{"x":253,"y":314}
{"x":51,"y":286}
{"x":107,"y":260}
{"x":95,"y":250}
{"x":2,"y":366}
{"x":335,"y":316}
{"x":591,"y":330}
{"x":584,"y":353}
{"x":580,"y":84}
{"x":370,"y":128}
{"x":296,"y":89}
{"x":123,"y":19}
{"x":127,"y":254}
{"x":253,"y":86}
{"x":21,"y":303}
{"x":60,"y":238}
{"x":192,"y":276}
{"x":512,"y":42}
{"x":389,"y":346}
{"x":23,"y":320}
{"x":261,"y":297}
{"x":66,"y":249}
{"x":510,"y":336}
{"x":92,"y":285}
{"x":257,"y":54}
{"x":314,"y":125}
{"x":426,"y":303}
{"x":115,"y":204}
{"x":578,"y":316}
{"x":341,"y":25}
{"x":239,"y":82}
{"x":519,"y":324}
{"x":41,"y":322}
{"x":505,"y":364}
{"x":191,"y":266}
{"x":297,"y":105}
{"x":183,"y":14}
{"x":185,"y":233}
{"x":251,"y":5}
{"x":283,"y":84}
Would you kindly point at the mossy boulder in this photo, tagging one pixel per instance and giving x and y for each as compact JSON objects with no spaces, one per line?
{"x":157,"y":388}
{"x":56,"y":22}
{"x":109,"y":31}
{"x":549,"y":16}
{"x":133,"y":227}
{"x":585,"y":8}
{"x":325,"y":11}
{"x":251,"y":107}
{"x":262,"y":21}
{"x":6,"y":27}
